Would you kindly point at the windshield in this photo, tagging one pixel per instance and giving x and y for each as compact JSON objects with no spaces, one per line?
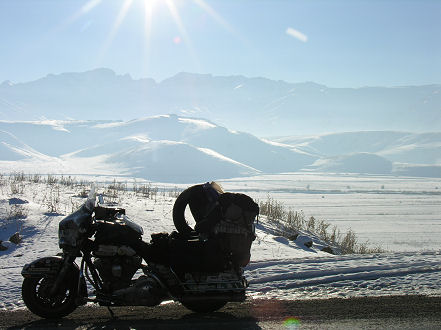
{"x":90,"y":203}
{"x":73,"y":227}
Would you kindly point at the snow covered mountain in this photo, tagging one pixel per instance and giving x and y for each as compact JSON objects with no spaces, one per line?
{"x":374,"y":152}
{"x":164,"y":148}
{"x":257,"y":105}
{"x":171,"y":148}
{"x":12,"y":149}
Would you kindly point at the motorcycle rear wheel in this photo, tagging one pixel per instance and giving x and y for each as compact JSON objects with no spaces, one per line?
{"x":35,"y":293}
{"x":206,"y":306}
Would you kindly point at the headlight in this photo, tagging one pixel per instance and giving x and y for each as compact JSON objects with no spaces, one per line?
{"x":67,"y":237}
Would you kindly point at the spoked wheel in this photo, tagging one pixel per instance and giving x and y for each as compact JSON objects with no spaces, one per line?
{"x":206,"y":306}
{"x":37,"y":297}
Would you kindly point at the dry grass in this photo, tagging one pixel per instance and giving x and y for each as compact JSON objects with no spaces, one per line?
{"x":291,"y":222}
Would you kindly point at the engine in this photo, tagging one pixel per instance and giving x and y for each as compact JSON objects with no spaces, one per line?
{"x":115,"y":259}
{"x":116,"y":265}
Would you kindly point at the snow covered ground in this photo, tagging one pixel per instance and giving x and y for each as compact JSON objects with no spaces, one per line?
{"x":279,"y":269}
{"x":395,"y":213}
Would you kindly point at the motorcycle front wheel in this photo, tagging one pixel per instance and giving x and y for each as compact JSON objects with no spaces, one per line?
{"x":206,"y":306}
{"x":36,"y":295}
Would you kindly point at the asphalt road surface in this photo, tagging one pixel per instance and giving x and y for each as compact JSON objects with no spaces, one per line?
{"x":396,"y":312}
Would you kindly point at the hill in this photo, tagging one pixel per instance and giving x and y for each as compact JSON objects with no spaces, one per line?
{"x":164,"y":148}
{"x":179,"y":149}
{"x":374,"y":152}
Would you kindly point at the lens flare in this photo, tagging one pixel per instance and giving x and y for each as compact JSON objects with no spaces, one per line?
{"x":291,"y":323}
{"x":182,"y":30}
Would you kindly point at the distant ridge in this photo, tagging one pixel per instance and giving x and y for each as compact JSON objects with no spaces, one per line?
{"x":261,"y":106}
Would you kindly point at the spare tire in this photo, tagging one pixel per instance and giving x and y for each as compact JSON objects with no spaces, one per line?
{"x":202,"y":200}
{"x":181,"y":203}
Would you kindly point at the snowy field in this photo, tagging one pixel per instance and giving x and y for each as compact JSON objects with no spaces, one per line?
{"x":280,"y":268}
{"x":395,"y":213}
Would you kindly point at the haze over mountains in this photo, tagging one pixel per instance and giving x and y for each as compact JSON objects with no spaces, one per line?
{"x":80,"y":132}
{"x":374,"y":152}
{"x":260,"y":106}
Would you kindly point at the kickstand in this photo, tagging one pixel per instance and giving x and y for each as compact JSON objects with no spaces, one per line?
{"x":111,"y":312}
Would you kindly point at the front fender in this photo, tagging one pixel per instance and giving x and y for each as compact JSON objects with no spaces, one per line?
{"x":46,"y":266}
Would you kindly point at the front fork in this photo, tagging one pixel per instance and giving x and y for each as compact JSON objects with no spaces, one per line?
{"x":66,"y":268}
{"x":61,"y":277}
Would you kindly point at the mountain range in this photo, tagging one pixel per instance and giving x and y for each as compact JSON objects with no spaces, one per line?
{"x":260,"y":106}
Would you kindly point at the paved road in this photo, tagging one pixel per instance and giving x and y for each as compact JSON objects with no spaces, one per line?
{"x":402,"y":312}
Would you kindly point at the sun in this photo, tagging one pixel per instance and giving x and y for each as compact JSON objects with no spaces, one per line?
{"x":148,"y":7}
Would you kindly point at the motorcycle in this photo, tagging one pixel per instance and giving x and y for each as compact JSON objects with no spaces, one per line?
{"x":202,"y":268}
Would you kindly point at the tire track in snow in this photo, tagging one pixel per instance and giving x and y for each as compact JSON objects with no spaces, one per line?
{"x":285,"y":283}
{"x":384,"y":257}
{"x":338,"y":271}
{"x":345,"y":272}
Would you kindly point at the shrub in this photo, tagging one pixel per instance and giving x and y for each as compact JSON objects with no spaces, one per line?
{"x":17,"y":211}
{"x":51,"y":180}
{"x":175,"y":192}
{"x":68,"y":181}
{"x":53,"y":200}
{"x":17,"y":177}
{"x":17,"y":187}
{"x":36,"y":178}
{"x":274,"y":210}
{"x":290,"y":223}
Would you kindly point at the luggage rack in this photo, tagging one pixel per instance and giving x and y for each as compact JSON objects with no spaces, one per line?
{"x":215,"y":283}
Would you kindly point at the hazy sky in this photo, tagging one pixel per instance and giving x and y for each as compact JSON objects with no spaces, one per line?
{"x":338,"y":43}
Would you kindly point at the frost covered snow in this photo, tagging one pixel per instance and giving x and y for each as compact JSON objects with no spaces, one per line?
{"x":279,"y":268}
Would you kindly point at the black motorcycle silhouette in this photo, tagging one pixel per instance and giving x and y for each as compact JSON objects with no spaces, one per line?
{"x":200,"y":267}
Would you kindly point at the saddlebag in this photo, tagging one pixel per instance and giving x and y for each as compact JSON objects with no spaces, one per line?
{"x":187,"y":254}
{"x":234,"y":228}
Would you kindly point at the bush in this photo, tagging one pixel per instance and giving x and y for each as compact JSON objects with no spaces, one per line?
{"x":175,"y":192}
{"x":53,"y":200}
{"x":290,"y":223}
{"x":274,"y":210}
{"x":17,"y":211}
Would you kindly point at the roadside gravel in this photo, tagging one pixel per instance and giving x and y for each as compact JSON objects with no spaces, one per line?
{"x":364,"y":312}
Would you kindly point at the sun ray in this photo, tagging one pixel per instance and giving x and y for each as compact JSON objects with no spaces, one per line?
{"x":119,"y":19}
{"x":87,"y":7}
{"x":39,"y":43}
{"x":148,"y":14}
{"x":209,"y":10}
{"x":177,"y":19}
{"x":220,"y":20}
